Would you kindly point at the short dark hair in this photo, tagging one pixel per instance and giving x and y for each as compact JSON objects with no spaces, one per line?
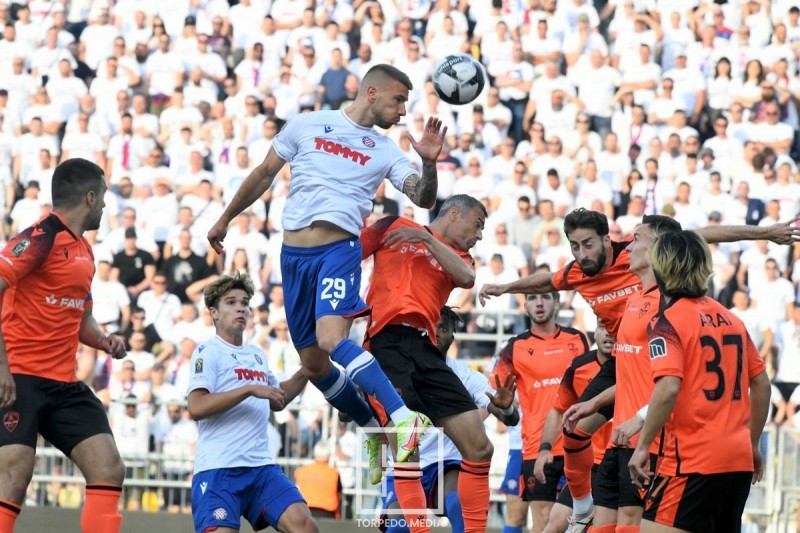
{"x":383,"y":70}
{"x":462,"y":202}
{"x":583,"y":218}
{"x":72,"y":179}
{"x":660,"y":224}
{"x":450,"y":317}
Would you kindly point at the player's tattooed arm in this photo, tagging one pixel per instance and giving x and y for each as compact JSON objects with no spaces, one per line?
{"x":422,"y":189}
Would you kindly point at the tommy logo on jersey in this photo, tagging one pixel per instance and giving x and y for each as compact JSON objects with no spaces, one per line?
{"x":250,"y":375}
{"x":341,"y":150}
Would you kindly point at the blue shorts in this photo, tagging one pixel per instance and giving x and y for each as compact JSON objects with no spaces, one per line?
{"x":511,"y":484}
{"x":429,"y":480}
{"x":320,"y":281}
{"x":261,"y":494}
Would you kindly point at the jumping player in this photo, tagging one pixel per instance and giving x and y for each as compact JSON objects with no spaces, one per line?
{"x":338,"y":160}
{"x":45,"y":279}
{"x":711,"y":396}
{"x":231,"y":392}
{"x":416,"y":268}
{"x":498,"y":402}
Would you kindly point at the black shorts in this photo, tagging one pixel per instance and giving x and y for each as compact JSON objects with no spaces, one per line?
{"x":64,"y":413}
{"x":532,"y":490}
{"x":700,"y":503}
{"x":420,"y":373}
{"x":606,"y":377}
{"x":565,"y":496}
{"x":611,"y":486}
{"x":786,"y":389}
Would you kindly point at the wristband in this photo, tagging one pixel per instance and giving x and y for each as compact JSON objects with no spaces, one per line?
{"x":643,"y":412}
{"x":508,"y":411}
{"x":545,"y":447}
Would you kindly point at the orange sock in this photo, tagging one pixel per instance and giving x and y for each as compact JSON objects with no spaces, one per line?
{"x":411,"y":497}
{"x":100,"y":514}
{"x":578,"y":461}
{"x":608,"y":528}
{"x":9,"y":512}
{"x":627,"y":529}
{"x":473,"y":491}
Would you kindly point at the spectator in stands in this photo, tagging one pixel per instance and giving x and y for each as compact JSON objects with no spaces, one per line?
{"x":161,"y":307}
{"x":787,"y":377}
{"x":186,"y":272}
{"x":111,"y":302}
{"x":178,"y":445}
{"x":320,"y":485}
{"x":132,"y":267}
{"x":131,"y":427}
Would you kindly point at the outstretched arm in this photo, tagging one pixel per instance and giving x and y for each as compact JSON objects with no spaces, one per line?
{"x":536,"y":283}
{"x":422,"y":189}
{"x":252,"y":188}
{"x":781,"y":233}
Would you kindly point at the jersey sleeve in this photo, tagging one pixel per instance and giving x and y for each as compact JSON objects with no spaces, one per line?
{"x":755,"y":364}
{"x":505,"y":363}
{"x":400,"y":168}
{"x":561,"y":278}
{"x":25,"y":253}
{"x":286,"y":142}
{"x":666,"y":351}
{"x":566,"y":395}
{"x":372,"y":236}
{"x":203,"y":370}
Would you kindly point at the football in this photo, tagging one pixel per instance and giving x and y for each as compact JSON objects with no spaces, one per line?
{"x":458,"y":79}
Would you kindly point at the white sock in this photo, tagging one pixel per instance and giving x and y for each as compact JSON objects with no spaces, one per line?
{"x":400,"y":414}
{"x":581,"y":506}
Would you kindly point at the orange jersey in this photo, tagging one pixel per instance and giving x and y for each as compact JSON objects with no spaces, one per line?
{"x":634,"y":382}
{"x":408,"y":285}
{"x":605,"y":292}
{"x":49,"y":273}
{"x":538,"y":364}
{"x":577,"y":377}
{"x":708,"y":348}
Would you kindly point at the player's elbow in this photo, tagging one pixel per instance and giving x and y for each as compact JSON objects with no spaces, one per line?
{"x":465,"y":280}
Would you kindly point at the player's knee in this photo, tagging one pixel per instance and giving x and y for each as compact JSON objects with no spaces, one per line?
{"x":483,"y":450}
{"x":315,"y":371}
{"x":629,"y":516}
{"x":328,"y":340}
{"x":113,"y":472}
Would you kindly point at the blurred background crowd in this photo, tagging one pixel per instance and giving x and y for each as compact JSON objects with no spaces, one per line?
{"x":686,"y":108}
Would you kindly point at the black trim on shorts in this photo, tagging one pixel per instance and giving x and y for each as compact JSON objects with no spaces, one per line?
{"x":64,"y":413}
{"x":611,"y":486}
{"x":705,"y":502}
{"x":605,"y":378}
{"x":532,"y":490}
{"x":420,"y":373}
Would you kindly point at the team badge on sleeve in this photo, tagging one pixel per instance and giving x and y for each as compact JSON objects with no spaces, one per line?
{"x":658,"y":348}
{"x":220,"y":513}
{"x":20,"y":247}
{"x":198,"y":366}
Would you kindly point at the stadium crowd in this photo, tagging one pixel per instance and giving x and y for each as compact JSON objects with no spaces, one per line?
{"x":630,"y":107}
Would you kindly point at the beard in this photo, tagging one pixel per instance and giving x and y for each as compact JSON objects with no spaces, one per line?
{"x":592,"y":268}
